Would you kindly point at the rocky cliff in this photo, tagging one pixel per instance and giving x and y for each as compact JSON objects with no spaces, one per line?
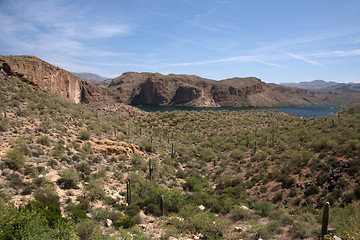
{"x":56,"y":80}
{"x":158,"y":89}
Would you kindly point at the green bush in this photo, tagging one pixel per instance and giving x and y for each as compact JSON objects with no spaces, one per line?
{"x":69,"y":178}
{"x":86,"y":229}
{"x":44,"y":140}
{"x":263,"y":208}
{"x":357,"y":192}
{"x":194,"y":184}
{"x":84,"y":135}
{"x":94,"y":189}
{"x":240,"y":213}
{"x":76,"y":213}
{"x":4,"y":123}
{"x":124,"y":222}
{"x":15,"y":158}
{"x":311,"y":190}
{"x":46,"y":194}
{"x":34,"y":221}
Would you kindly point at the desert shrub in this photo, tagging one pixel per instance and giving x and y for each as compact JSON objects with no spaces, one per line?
{"x":226,"y":181}
{"x":94,"y":189}
{"x":240,"y":213}
{"x":86,"y":229}
{"x":357,"y":192}
{"x":138,"y":162}
{"x":84,"y":135}
{"x":86,"y":149}
{"x":320,"y":144}
{"x":322,"y":178}
{"x":286,"y":181}
{"x":207,"y":154}
{"x":278,"y":197}
{"x":311,"y":190}
{"x":84,"y":168}
{"x":263,"y":208}
{"x":132,"y":210}
{"x":195,"y":184}
{"x":44,"y":140}
{"x":172,"y":200}
{"x":4,"y":123}
{"x":69,"y":178}
{"x":76,"y":212}
{"x":101,"y":173}
{"x":124,"y":222}
{"x":109,"y":201}
{"x":261,"y":156}
{"x":15,"y":158}
{"x":15,"y":180}
{"x":348,"y":198}
{"x":34,"y":221}
{"x":58,"y":149}
{"x":147,"y":145}
{"x":237,"y":154}
{"x":100,"y":214}
{"x":209,"y":225}
{"x":46,"y":194}
{"x":301,"y":230}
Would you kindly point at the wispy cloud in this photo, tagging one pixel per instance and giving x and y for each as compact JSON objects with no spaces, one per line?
{"x":236,"y":59}
{"x":49,"y":26}
{"x":313,"y":58}
{"x":304,"y":59}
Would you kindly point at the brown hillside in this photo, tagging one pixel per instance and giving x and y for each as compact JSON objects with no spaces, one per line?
{"x":56,"y":80}
{"x":158,"y":89}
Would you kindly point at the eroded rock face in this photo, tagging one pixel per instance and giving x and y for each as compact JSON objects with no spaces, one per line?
{"x":50,"y":78}
{"x":158,"y":89}
{"x":151,"y":92}
{"x":186,"y":94}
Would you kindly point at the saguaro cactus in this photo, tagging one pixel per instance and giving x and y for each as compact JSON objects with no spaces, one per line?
{"x":172,"y":151}
{"x":162,"y":205}
{"x":325,"y":220}
{"x":128,"y":190}
{"x":151,"y":169}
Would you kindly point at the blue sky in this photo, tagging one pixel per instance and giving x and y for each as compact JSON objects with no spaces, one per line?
{"x":277,"y":41}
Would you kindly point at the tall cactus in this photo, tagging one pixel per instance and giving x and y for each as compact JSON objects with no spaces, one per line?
{"x":151,"y":169}
{"x":172,"y":151}
{"x":128,"y":190}
{"x":325,"y":220}
{"x":162,"y":205}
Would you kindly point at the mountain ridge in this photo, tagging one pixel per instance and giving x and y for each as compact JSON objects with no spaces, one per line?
{"x":56,"y":80}
{"x":157,"y":89}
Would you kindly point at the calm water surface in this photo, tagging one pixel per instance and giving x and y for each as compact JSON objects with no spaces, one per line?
{"x":300,"y":111}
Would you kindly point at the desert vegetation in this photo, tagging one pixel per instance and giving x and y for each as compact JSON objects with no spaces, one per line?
{"x":73,"y":172}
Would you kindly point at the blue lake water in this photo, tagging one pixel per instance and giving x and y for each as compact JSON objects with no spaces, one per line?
{"x":304,"y":111}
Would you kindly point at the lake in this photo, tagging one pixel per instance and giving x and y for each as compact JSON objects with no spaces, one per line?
{"x":304,"y":111}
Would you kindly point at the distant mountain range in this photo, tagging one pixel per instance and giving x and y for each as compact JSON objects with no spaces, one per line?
{"x":157,"y":89}
{"x":94,"y":78}
{"x":316,"y":84}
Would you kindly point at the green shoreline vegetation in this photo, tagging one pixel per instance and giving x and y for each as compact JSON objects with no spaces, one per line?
{"x":268,"y":171}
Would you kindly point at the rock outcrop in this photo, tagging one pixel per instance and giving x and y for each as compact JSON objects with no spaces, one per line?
{"x":50,"y":78}
{"x":158,"y":89}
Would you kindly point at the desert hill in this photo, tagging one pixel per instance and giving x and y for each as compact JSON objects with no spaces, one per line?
{"x":64,"y":169}
{"x":56,"y":80}
{"x":158,"y":89}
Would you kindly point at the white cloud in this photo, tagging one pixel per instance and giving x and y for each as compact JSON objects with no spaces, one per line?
{"x":236,"y":59}
{"x":304,"y":59}
{"x":55,"y":27}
